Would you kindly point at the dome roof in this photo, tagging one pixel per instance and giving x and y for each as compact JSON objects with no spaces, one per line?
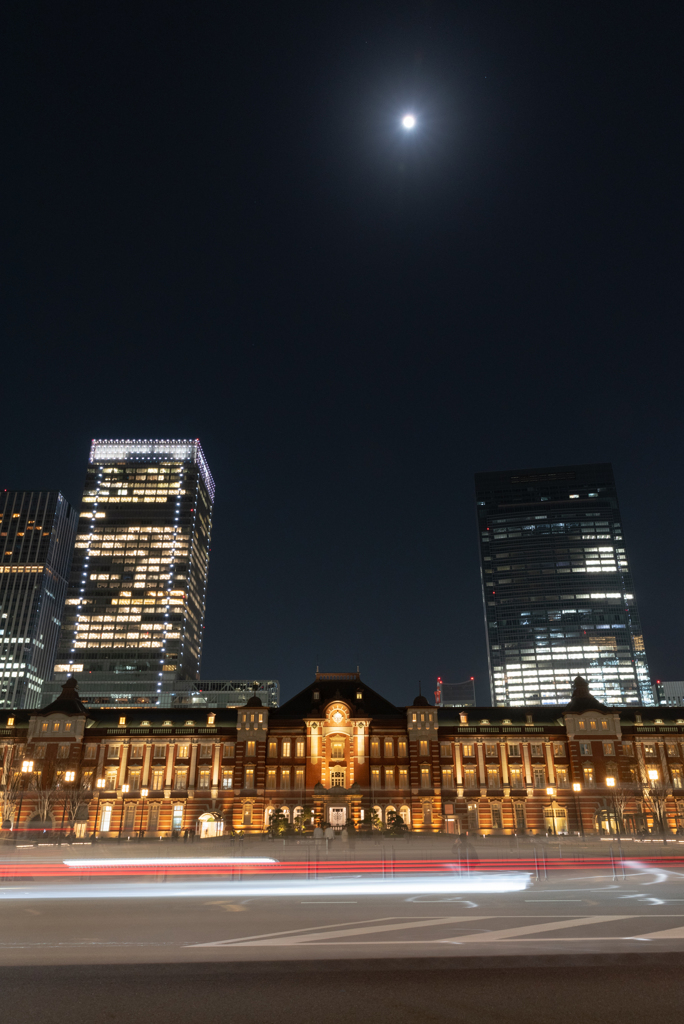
{"x":254,"y":702}
{"x":421,"y":702}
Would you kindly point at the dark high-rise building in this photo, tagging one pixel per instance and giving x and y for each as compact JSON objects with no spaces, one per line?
{"x":134,"y":613}
{"x":557,"y":587}
{"x":37,"y":542}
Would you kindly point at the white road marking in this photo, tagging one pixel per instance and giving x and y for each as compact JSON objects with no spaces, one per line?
{"x":290,"y":931}
{"x":294,"y":939}
{"x":529,"y":929}
{"x":669,"y":933}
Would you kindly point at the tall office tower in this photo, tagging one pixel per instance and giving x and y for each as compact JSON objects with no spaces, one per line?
{"x":134,"y":613}
{"x":557,"y":589}
{"x":37,"y":542}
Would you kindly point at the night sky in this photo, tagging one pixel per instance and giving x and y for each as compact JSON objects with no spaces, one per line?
{"x":213,"y":226}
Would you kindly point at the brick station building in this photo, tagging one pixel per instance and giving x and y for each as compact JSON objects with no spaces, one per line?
{"x":343,"y":749}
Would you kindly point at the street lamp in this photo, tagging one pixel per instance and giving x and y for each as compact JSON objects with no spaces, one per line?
{"x":68,"y":777}
{"x":610,"y":782}
{"x":124,"y":789}
{"x":26,"y":769}
{"x":653,"y":774}
{"x":550,"y":792}
{"x":143,"y":794}
{"x":577,"y":789}
{"x":100,"y":784}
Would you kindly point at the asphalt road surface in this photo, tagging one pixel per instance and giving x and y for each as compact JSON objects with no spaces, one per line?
{"x":578,"y":946}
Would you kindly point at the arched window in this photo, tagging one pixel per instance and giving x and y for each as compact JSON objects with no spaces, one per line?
{"x":247,"y":815}
{"x":286,"y":812}
{"x":337,"y":777}
{"x":427,"y":814}
{"x":389,"y":810}
{"x":405,"y":814}
{"x":268,"y":815}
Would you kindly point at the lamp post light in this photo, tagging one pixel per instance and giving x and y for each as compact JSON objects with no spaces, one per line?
{"x":26,"y":769}
{"x":124,"y":789}
{"x":577,"y":789}
{"x":68,"y":777}
{"x":143,"y":794}
{"x":100,"y":785}
{"x":610,"y":783}
{"x":550,"y":792}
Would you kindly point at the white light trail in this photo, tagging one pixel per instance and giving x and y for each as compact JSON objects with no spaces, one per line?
{"x":169,"y":862}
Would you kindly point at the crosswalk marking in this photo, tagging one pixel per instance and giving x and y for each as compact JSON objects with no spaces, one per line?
{"x":669,"y":933}
{"x":294,"y":940}
{"x":529,"y":929}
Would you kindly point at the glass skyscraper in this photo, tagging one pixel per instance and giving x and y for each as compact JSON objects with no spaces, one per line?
{"x":134,"y":615}
{"x":557,"y":588}
{"x":36,"y":544}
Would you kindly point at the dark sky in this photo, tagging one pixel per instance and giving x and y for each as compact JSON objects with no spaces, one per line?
{"x":212,"y":226}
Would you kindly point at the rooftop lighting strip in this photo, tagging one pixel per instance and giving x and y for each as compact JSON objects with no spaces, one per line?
{"x":115,"y":450}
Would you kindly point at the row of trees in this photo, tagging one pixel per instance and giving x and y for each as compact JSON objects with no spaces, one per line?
{"x":307,"y":820}
{"x":44,"y":797}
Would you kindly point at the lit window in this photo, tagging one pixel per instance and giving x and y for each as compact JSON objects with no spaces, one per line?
{"x":205,"y":778}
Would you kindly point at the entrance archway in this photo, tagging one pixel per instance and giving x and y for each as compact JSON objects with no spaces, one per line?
{"x":210,"y":825}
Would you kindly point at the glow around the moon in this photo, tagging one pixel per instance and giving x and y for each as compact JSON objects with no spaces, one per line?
{"x":408,"y":121}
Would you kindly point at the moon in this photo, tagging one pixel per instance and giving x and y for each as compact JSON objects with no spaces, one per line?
{"x":408,"y":121}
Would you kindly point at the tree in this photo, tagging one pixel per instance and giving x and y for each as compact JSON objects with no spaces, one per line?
{"x":11,"y":793}
{"x":279,"y":824}
{"x":655,"y":793}
{"x":304,"y":820}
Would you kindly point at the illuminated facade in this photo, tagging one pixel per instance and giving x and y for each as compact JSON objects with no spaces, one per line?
{"x":36,"y":544}
{"x":339,"y":753}
{"x":557,"y":588}
{"x":134,"y":613}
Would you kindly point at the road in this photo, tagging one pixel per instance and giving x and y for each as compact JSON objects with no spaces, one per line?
{"x":578,"y":945}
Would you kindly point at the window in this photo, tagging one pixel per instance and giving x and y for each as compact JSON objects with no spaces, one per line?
{"x":559,"y":750}
{"x":251,"y":748}
{"x":134,"y":778}
{"x":389,"y":748}
{"x":516,"y":777}
{"x":160,"y":750}
{"x":183,"y":751}
{"x":676,"y":778}
{"x":181,"y":779}
{"x":470,"y":778}
{"x":205,"y":750}
{"x":473,"y":818}
{"x":287,"y":748}
{"x":337,"y":749}
{"x":375,"y":748}
{"x":111,"y":777}
{"x":649,"y":749}
{"x":40,"y":751}
{"x":226,"y":778}
{"x":424,"y":748}
{"x":445,"y":750}
{"x":67,"y":727}
{"x":609,"y":749}
{"x":137,"y":752}
{"x":300,"y":748}
{"x":491,"y":750}
{"x":113,"y":752}
{"x":229,"y":750}
{"x":447,"y":778}
{"x":628,"y":749}
{"x":425,"y":780}
{"x":55,"y":726}
{"x":299,"y":778}
{"x":403,"y":778}
{"x":539,"y":778}
{"x":249,"y":778}
{"x":468,"y":750}
{"x":582,"y":725}
{"x":375,"y":777}
{"x":157,"y":778}
{"x":285,"y":778}
{"x":272,"y":748}
{"x":493,"y":778}
{"x":177,"y":819}
{"x":87,"y":778}
{"x":205,"y":778}
{"x":105,"y":818}
{"x":562,"y":778}
{"x":427,"y":814}
{"x":44,"y":727}
{"x":536,"y":750}
{"x":514,"y":750}
{"x":389,"y":778}
{"x":402,"y":750}
{"x":585,"y":749}
{"x":247,"y":815}
{"x":604,"y":725}
{"x":271,"y":776}
{"x":337,"y":777}
{"x":588,"y":776}
{"x":671,"y":749}
{"x":496,"y":816}
{"x":592,"y":724}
